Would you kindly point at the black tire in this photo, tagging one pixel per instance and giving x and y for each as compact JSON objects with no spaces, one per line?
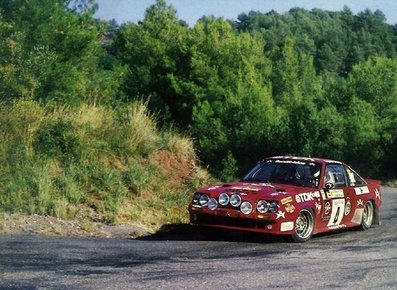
{"x":368,"y":216}
{"x":304,"y":226}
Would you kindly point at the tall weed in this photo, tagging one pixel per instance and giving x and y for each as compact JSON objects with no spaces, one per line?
{"x":140,"y":129}
{"x":182,"y":147}
{"x":19,"y":121}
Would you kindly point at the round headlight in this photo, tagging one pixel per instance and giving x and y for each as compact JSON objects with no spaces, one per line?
{"x":235,"y":200}
{"x":246,"y":207}
{"x":196,"y":198}
{"x":204,"y":200}
{"x":212,"y":204}
{"x":262,"y":206}
{"x":223,"y":199}
{"x":273,"y":206}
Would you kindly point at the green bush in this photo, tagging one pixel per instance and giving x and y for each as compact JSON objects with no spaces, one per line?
{"x":58,"y":140}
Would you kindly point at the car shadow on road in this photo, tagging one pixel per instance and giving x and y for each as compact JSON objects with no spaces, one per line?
{"x":186,"y":232}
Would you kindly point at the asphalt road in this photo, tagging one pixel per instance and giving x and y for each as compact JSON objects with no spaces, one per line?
{"x":181,"y":258}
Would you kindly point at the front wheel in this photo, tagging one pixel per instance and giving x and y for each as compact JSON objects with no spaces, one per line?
{"x":368,"y":216}
{"x":304,"y":226}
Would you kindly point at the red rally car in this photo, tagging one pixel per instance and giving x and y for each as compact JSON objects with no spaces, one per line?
{"x":293,"y":196}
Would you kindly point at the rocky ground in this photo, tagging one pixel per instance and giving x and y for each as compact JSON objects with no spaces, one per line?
{"x":35,"y":224}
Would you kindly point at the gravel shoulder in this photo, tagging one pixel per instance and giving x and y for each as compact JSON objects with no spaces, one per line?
{"x":83,"y":227}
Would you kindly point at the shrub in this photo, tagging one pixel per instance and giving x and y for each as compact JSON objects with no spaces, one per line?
{"x":58,"y":140}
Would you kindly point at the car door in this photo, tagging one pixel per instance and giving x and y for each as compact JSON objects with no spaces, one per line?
{"x":357,"y":190}
{"x":336,"y":197}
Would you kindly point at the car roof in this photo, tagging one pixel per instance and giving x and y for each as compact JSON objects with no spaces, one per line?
{"x":300,"y":158}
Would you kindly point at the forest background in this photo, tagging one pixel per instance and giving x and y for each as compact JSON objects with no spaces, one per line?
{"x":91,"y":110}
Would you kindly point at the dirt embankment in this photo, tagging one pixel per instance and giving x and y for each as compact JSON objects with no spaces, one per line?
{"x":89,"y":222}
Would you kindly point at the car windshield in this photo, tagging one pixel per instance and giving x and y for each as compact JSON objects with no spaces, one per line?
{"x":301,"y":173}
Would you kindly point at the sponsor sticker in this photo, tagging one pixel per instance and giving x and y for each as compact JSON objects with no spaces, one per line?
{"x":318,"y":207}
{"x":307,"y":196}
{"x":286,"y":200}
{"x":338,"y":209}
{"x":290,"y":208}
{"x":361,"y":190}
{"x":287,"y":226}
{"x":327,"y":208}
{"x":358,"y":214}
{"x":262,"y":184}
{"x":290,"y":162}
{"x":351,"y":177}
{"x":348,"y":207}
{"x":377,"y":193}
{"x":337,"y":227}
{"x":335,"y":193}
{"x":246,"y":188}
{"x":280,"y":214}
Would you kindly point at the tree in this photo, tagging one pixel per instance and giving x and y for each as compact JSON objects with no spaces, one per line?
{"x":233,"y":113}
{"x":375,"y":82}
{"x":297,"y":90}
{"x":59,"y":52}
{"x":335,"y":40}
{"x":155,"y":50}
{"x":363,"y":133}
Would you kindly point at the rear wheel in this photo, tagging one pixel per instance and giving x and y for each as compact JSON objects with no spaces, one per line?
{"x":368,"y":216}
{"x":304,"y":226}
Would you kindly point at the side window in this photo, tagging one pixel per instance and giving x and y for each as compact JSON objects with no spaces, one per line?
{"x":335,"y":174}
{"x":354,"y":178}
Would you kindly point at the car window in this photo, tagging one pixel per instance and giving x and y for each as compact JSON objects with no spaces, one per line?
{"x":261,"y":172}
{"x":354,"y":178}
{"x":335,"y":174}
{"x":296,"y":172}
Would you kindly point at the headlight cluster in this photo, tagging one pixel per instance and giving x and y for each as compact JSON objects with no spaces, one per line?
{"x":212,"y":204}
{"x":246,"y":207}
{"x":224,"y":199}
{"x":203,"y":200}
{"x":234,"y":200}
{"x":264,"y":206}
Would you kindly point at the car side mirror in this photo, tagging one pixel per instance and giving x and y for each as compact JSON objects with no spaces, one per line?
{"x":329,"y":185}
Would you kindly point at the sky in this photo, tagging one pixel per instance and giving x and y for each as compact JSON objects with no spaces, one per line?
{"x":191,"y":10}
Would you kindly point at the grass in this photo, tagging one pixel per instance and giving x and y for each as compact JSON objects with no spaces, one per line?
{"x":117,"y":162}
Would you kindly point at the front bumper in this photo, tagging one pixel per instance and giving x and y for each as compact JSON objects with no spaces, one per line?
{"x":235,"y":220}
